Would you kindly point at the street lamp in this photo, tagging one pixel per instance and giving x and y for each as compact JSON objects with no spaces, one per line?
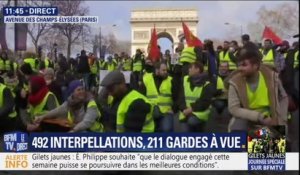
{"x":241,"y":26}
{"x":100,"y":36}
{"x":55,"y":51}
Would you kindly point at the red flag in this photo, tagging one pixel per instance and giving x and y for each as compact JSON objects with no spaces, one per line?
{"x":269,"y":34}
{"x":153,"y":47}
{"x":191,"y":40}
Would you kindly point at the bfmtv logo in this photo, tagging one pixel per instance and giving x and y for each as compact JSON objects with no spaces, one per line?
{"x":15,"y":142}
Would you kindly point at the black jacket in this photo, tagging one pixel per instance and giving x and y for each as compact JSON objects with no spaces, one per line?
{"x":83,"y":65}
{"x":204,"y":101}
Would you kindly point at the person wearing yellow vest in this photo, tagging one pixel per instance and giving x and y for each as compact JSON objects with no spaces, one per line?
{"x":195,"y":99}
{"x":226,"y":55}
{"x":40,"y":101}
{"x":94,"y":68}
{"x":7,"y":64}
{"x":127,"y":63}
{"x":161,"y":90}
{"x":138,"y":63}
{"x":255,"y":94}
{"x":134,"y":112}
{"x":220,"y":100}
{"x":46,"y":63}
{"x":32,"y":62}
{"x":102,"y":63}
{"x":80,"y":110}
{"x":8,"y":113}
{"x":282,"y":145}
{"x":268,"y":53}
{"x":110,"y":64}
{"x":188,"y":56}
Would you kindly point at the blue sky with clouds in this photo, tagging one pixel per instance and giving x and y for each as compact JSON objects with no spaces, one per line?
{"x":212,"y":15}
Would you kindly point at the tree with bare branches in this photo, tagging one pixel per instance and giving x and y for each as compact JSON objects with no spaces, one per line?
{"x":74,"y":31}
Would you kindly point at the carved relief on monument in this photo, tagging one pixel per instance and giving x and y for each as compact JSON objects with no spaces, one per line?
{"x":140,"y":35}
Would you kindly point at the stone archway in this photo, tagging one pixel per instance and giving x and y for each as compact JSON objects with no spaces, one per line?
{"x":168,"y":36}
{"x":167,"y":23}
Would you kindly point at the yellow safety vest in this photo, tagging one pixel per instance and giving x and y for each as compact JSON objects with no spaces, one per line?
{"x":191,"y":96}
{"x":6,"y":65}
{"x":163,"y":97}
{"x":259,"y":99}
{"x":281,"y":146}
{"x":47,"y":62}
{"x":269,"y":58}
{"x":188,"y":55}
{"x":137,"y":65}
{"x":13,"y":113}
{"x":40,"y":108}
{"x":102,"y":64}
{"x":296,"y":59}
{"x":250,"y":146}
{"x":127,"y":64}
{"x":94,"y":68}
{"x":111,"y":66}
{"x":225,"y":58}
{"x":123,"y":110}
{"x":32,"y":63}
{"x":97,"y":126}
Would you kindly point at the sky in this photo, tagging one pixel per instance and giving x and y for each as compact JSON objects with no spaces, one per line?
{"x":212,"y":15}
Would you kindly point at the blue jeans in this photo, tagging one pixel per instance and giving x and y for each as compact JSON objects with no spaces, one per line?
{"x":86,"y":80}
{"x":165,"y":123}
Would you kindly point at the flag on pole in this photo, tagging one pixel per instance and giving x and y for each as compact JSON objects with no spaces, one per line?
{"x":191,"y":40}
{"x":269,"y":34}
{"x":153,"y":51}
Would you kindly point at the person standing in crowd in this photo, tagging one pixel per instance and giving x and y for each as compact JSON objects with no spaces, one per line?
{"x":111,"y":64}
{"x":161,"y":90}
{"x":52,"y":84}
{"x":127,"y":63}
{"x":219,"y":49}
{"x":195,"y":99}
{"x":210,"y":61}
{"x":269,"y":53}
{"x":40,"y":100}
{"x":224,"y":56}
{"x":7,"y":64}
{"x":137,"y":68}
{"x":255,"y":93}
{"x":95,"y":68}
{"x":134,"y":112}
{"x":84,"y":69}
{"x":167,"y":60}
{"x":80,"y":109}
{"x":32,"y":61}
{"x":102,"y":63}
{"x":46,"y":62}
{"x":245,"y":39}
{"x":7,"y":110}
{"x":233,"y":50}
{"x":188,"y":56}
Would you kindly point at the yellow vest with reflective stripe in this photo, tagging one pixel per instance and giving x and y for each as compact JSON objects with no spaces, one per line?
{"x":269,"y":58}
{"x":220,"y":83}
{"x":296,"y":60}
{"x":226,"y":58}
{"x":127,"y":64}
{"x":97,"y":126}
{"x":191,"y":96}
{"x":5,"y":65}
{"x":259,"y":99}
{"x":31,"y":62}
{"x":13,"y":113}
{"x":163,"y":97}
{"x":188,"y":55}
{"x":123,"y":110}
{"x":39,"y":109}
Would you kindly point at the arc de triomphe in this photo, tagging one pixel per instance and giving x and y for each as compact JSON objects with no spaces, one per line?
{"x":167,"y":23}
